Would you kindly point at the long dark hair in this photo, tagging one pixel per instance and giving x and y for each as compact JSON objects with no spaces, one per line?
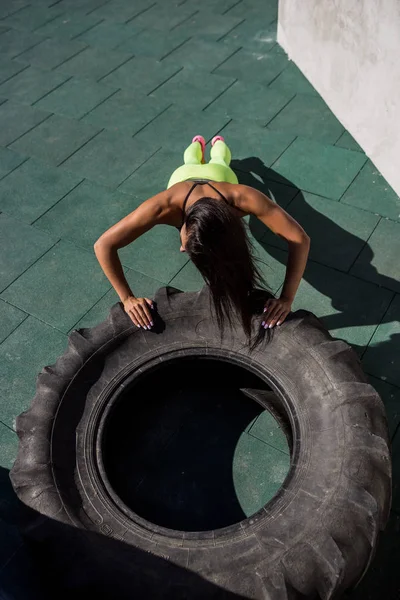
{"x":220,"y":248}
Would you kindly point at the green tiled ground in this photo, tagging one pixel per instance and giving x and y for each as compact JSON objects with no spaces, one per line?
{"x":98,"y":100}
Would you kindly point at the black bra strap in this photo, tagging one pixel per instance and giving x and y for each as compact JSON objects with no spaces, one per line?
{"x":218,"y":192}
{"x":186,"y":199}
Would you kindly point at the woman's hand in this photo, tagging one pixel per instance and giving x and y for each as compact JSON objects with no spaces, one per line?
{"x":139,"y":311}
{"x":275,"y":312}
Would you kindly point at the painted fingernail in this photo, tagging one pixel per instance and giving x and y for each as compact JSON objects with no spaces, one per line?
{"x":265,"y":309}
{"x":270,"y":326}
{"x":278,"y":323}
{"x":262,"y":324}
{"x":151,"y":323}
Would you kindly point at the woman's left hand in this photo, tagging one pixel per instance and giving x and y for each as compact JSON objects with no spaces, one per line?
{"x":275,"y":312}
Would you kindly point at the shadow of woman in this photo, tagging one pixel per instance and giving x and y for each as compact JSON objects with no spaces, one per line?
{"x":357,"y":302}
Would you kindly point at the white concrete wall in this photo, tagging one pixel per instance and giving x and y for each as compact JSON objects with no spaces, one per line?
{"x":350,"y":51}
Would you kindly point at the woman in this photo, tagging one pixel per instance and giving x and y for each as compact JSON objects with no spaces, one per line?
{"x":206,"y":203}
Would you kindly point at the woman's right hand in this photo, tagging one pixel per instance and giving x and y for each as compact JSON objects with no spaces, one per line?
{"x":139,"y":311}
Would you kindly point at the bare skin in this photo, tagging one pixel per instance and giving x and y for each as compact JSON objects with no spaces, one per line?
{"x":166,"y":208}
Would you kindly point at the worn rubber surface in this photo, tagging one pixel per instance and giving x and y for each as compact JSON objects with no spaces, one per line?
{"x":317,"y":536}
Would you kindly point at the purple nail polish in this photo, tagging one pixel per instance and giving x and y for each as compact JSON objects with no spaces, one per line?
{"x":151,"y":323}
{"x":262,"y":324}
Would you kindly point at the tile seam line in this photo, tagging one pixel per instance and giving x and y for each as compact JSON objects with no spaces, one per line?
{"x":25,"y":270}
{"x":97,"y":7}
{"x":18,"y":72}
{"x":33,"y":317}
{"x":219,"y":95}
{"x":141,"y":13}
{"x":86,"y":30}
{"x":29,"y":47}
{"x":281,"y":154}
{"x":80,"y":147}
{"x":355,"y":176}
{"x":46,"y":22}
{"x":269,"y":445}
{"x":280,"y":110}
{"x":99,"y":104}
{"x":177,"y":273}
{"x":115,"y":68}
{"x":15,"y":168}
{"x":55,"y":204}
{"x":2,"y":422}
{"x":71,"y":329}
{"x":134,"y":171}
{"x":165,"y":81}
{"x":226,"y":59}
{"x":364,"y":244}
{"x":391,"y":301}
{"x":233,"y":6}
{"x":151,"y":120}
{"x":27,"y":131}
{"x":50,"y":91}
{"x":184,"y":20}
{"x":15,"y":11}
{"x":230,"y":30}
{"x":66,"y":59}
{"x":176,"y":48}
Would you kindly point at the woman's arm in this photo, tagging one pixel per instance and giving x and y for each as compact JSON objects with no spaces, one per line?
{"x":283,"y":225}
{"x":153,"y":211}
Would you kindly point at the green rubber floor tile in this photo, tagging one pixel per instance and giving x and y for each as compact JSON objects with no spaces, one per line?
{"x":84,"y":214}
{"x":109,"y":35}
{"x":14,"y":42}
{"x":188,"y":89}
{"x":253,"y":66}
{"x":126,"y":112}
{"x":20,"y":365}
{"x":261,"y":103}
{"x":8,"y":7}
{"x":200,"y":55}
{"x":15,"y":238}
{"x":142,"y":287}
{"x":382,"y":357}
{"x":337,"y":235}
{"x":176,"y":127}
{"x":214,"y":25}
{"x":153,"y":43}
{"x":189,"y":279}
{"x":347,"y":141}
{"x":141,"y":75}
{"x":319,"y":168}
{"x":378,"y":262}
{"x":309,"y":117}
{"x":9,"y":161}
{"x":390,"y":395}
{"x":121,"y":11}
{"x":349,"y":308}
{"x":16,"y":119}
{"x":93,"y":63}
{"x":250,"y":36}
{"x":109,"y":158}
{"x":244,"y":139}
{"x":371,"y":191}
{"x":10,"y":318}
{"x":31,"y":17}
{"x":55,"y":139}
{"x":266,"y":428}
{"x":33,"y":188}
{"x":9,"y":68}
{"x":31,"y":84}
{"x":292,"y":79}
{"x":75,"y":98}
{"x":8,"y":447}
{"x":153,"y":175}
{"x":51,"y":53}
{"x":155,"y":253}
{"x":258,"y":472}
{"x":60,"y":287}
{"x":68,"y":25}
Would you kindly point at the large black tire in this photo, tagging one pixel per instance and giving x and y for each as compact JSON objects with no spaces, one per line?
{"x":314,"y":539}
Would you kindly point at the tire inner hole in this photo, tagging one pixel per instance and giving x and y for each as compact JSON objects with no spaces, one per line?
{"x":185,"y":448}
